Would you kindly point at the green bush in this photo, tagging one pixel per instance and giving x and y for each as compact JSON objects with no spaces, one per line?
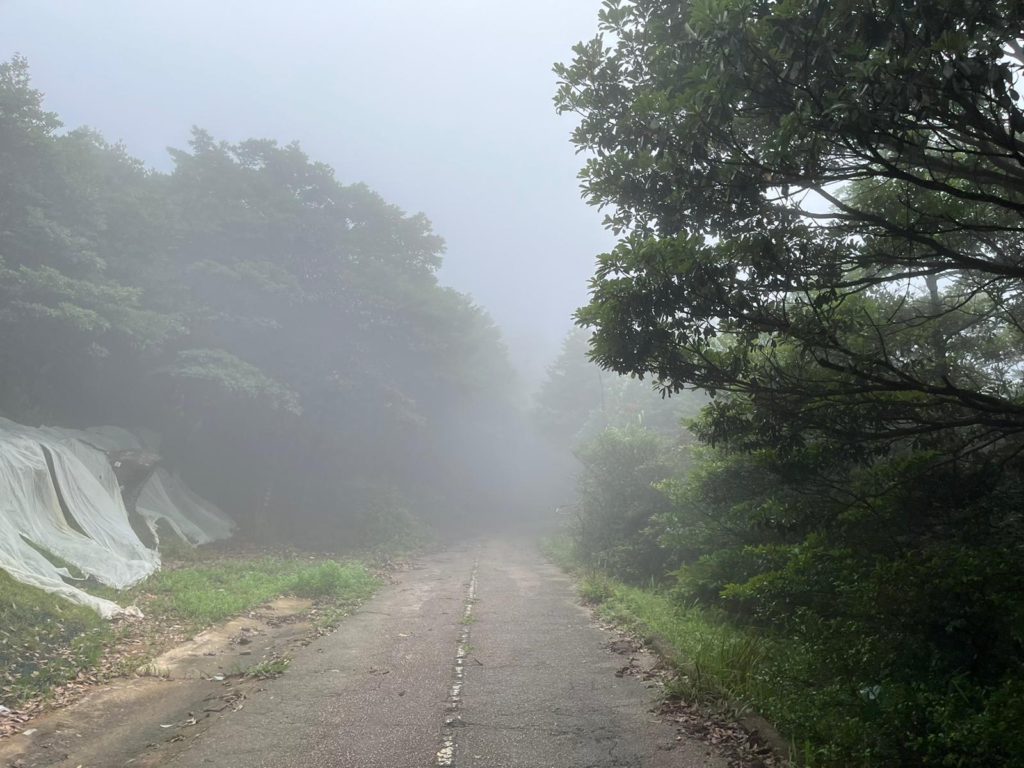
{"x":896,"y":602}
{"x":385,"y":520}
{"x":619,"y":502}
{"x":870,"y":609}
{"x":561,"y":550}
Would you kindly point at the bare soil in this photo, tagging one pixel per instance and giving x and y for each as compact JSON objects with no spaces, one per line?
{"x":106,"y":719}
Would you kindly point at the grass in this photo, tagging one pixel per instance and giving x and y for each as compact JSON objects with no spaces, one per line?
{"x":715,"y":659}
{"x":717,"y":662}
{"x":341,"y":582}
{"x":269,"y":669}
{"x":46,"y":641}
{"x":744,"y":670}
{"x":595,"y":588}
{"x":204,"y":593}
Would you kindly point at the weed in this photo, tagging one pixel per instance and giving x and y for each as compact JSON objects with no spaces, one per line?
{"x":329,"y":617}
{"x":269,"y":668}
{"x":715,"y":660}
{"x":203,"y":593}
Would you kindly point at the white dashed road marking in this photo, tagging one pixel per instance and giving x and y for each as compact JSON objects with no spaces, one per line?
{"x":446,"y":754}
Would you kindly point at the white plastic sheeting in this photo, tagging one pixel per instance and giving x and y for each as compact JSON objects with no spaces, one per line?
{"x":30,"y":514}
{"x":106,"y":548}
{"x":194,"y":519}
{"x":165,"y":497}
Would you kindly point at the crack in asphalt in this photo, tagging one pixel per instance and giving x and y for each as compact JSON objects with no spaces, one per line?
{"x":445,"y":757}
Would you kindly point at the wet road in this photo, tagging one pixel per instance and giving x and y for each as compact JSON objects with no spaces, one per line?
{"x":479,"y":656}
{"x":545,"y":694}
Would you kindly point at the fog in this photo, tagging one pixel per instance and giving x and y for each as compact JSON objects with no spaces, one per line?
{"x":324,"y":254}
{"x":287,"y":304}
{"x":442,"y":107}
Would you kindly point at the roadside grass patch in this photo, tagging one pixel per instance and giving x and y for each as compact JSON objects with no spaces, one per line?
{"x":206,"y":593}
{"x":342,"y":582}
{"x":715,"y":660}
{"x":735,"y":669}
{"x":45,"y":641}
{"x":595,"y":588}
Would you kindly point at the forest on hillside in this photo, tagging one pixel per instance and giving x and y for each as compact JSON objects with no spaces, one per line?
{"x":283,"y":333}
{"x":819,"y":211}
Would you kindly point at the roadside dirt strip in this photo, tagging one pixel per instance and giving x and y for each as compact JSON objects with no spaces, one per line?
{"x":478,"y":656}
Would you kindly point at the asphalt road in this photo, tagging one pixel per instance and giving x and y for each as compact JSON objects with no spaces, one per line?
{"x":479,"y":656}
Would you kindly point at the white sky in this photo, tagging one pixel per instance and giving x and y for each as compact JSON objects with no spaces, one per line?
{"x":442,"y":106}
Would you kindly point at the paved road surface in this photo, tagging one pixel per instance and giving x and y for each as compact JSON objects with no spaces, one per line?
{"x":479,"y":657}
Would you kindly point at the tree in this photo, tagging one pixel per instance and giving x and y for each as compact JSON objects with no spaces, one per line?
{"x":72,"y":208}
{"x":819,"y":209}
{"x":816,"y":202}
{"x":625,"y":438}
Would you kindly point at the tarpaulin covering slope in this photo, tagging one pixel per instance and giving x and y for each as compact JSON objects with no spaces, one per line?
{"x":30,"y":514}
{"x":165,"y":497}
{"x":99,"y":540}
{"x":194,"y":519}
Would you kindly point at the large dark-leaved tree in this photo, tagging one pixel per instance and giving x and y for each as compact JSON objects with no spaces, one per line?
{"x":819,"y":209}
{"x":812,"y":197}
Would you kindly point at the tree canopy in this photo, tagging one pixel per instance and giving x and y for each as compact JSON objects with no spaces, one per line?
{"x":819,"y":211}
{"x":285,"y":332}
{"x":812,"y":198}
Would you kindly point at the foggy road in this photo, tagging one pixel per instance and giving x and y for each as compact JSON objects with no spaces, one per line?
{"x":477,"y":656}
{"x":384,"y":691}
{"x":725,"y":297}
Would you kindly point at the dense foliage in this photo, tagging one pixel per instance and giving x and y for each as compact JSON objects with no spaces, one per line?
{"x":625,"y":437}
{"x":578,"y":400}
{"x":820,"y":217}
{"x":285,"y":333}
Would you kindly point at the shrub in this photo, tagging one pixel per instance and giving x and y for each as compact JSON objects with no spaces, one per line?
{"x":620,"y":500}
